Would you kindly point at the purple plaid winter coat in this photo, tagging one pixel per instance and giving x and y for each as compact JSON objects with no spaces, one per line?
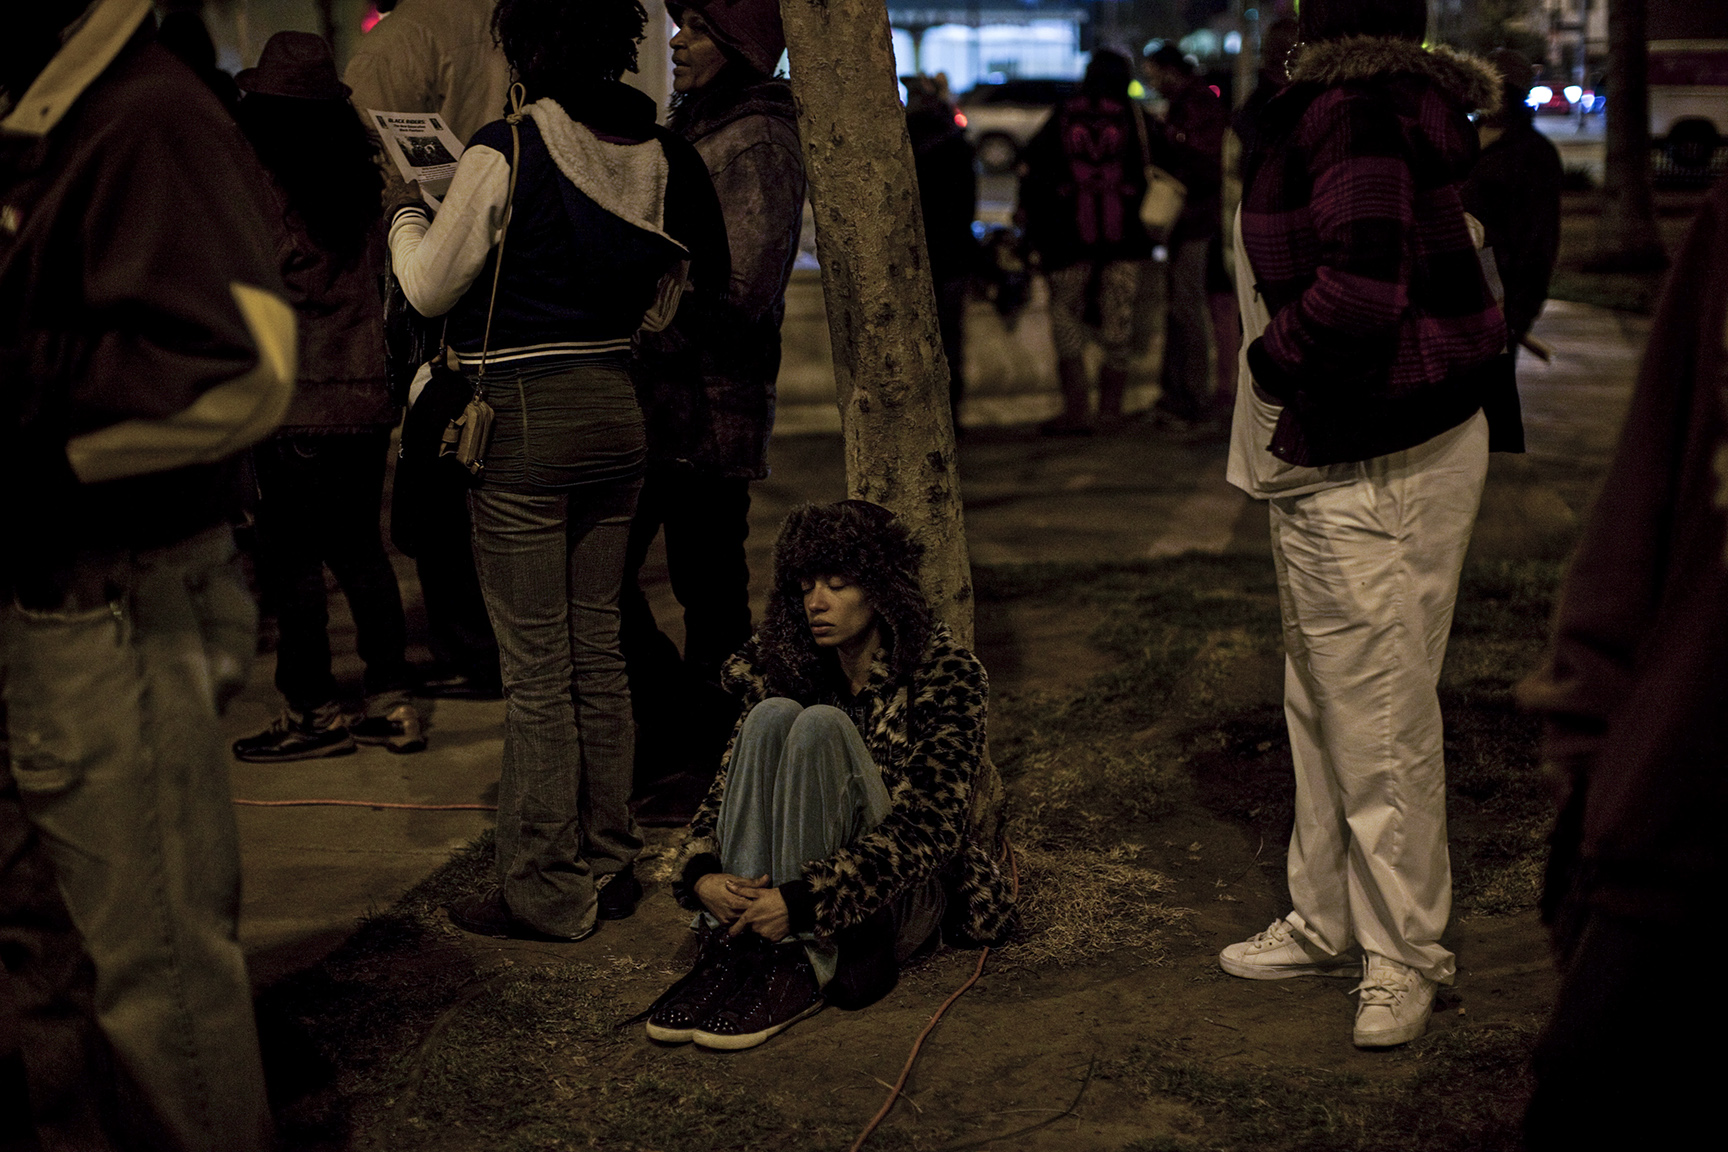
{"x":1383,"y":330}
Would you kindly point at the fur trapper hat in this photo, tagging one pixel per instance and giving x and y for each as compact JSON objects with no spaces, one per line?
{"x":866,"y":544}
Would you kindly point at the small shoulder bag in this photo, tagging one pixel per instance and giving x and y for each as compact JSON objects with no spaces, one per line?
{"x":466,"y":437}
{"x":1165,"y":195}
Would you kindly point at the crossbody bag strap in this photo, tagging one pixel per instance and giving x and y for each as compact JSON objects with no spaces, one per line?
{"x":514,"y":119}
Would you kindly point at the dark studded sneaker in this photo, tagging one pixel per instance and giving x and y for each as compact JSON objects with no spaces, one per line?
{"x":778,"y":991}
{"x":298,"y":736}
{"x":398,"y":730}
{"x":619,"y":893}
{"x":722,"y":963}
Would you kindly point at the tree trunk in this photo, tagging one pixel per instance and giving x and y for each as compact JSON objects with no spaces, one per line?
{"x":889,"y":371}
{"x":1626,"y":235}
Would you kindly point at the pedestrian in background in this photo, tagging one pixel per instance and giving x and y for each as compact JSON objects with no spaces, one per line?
{"x":1082,"y":180}
{"x":439,"y":56}
{"x":1633,"y":694}
{"x":144,"y":343}
{"x":1278,"y":43}
{"x":947,"y":170}
{"x":600,"y":204}
{"x":321,"y":476}
{"x":1514,"y":190}
{"x":1375,"y":349}
{"x":706,"y":385}
{"x":1190,"y":146}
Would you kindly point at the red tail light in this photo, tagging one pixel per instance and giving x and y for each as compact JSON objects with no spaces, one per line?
{"x":959,"y":118}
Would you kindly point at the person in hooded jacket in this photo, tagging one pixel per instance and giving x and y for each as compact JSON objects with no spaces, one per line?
{"x":835,"y":842}
{"x":706,"y":385}
{"x":1376,"y":347}
{"x":602,"y":206}
{"x":321,"y":476}
{"x":1082,"y":179}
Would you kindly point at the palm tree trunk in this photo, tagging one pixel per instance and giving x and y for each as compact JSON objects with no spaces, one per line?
{"x":1626,"y":235}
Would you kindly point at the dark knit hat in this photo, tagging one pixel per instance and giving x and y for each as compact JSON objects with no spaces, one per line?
{"x":295,"y":64}
{"x":751,"y":29}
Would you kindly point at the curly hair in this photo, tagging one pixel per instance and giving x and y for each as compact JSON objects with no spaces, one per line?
{"x":865,"y":543}
{"x":557,"y":46}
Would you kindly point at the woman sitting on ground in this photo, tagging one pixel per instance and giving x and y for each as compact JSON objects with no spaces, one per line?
{"x":835,"y":842}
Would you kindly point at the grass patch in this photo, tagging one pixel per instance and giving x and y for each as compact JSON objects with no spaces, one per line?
{"x":1460,"y":1088}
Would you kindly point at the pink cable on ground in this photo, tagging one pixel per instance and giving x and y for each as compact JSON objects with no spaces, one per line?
{"x":912,"y":1057}
{"x":366,"y":804}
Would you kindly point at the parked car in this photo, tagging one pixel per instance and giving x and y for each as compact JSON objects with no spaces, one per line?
{"x":1001,"y":118}
{"x":1688,"y":78}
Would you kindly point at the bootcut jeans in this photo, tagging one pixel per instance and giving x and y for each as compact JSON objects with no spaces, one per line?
{"x":801,"y":786}
{"x":112,"y":697}
{"x":550,"y":566}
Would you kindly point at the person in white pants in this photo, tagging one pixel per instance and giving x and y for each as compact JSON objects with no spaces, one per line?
{"x":1372,"y":380}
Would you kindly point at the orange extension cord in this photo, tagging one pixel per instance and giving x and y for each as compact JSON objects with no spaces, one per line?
{"x":366,"y":804}
{"x":912,"y":1057}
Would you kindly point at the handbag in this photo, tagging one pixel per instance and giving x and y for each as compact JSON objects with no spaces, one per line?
{"x":1165,"y":195}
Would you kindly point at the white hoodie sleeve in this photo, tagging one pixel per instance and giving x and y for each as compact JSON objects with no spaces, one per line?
{"x":436,"y":261}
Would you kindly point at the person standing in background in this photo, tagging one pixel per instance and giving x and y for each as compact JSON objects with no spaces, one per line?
{"x":947,"y":171}
{"x":706,"y":385}
{"x":439,"y":56}
{"x":321,"y":476}
{"x":1082,"y":178}
{"x":1190,"y":146}
{"x":1514,"y":190}
{"x":144,"y":344}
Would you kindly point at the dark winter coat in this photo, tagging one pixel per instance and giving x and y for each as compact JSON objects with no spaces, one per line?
{"x":1383,"y":331}
{"x":341,"y":387}
{"x":925,"y":703}
{"x":1189,"y":145}
{"x":1514,"y":190}
{"x":1085,"y":175}
{"x":947,"y":192}
{"x":144,"y":341}
{"x":1635,"y":689}
{"x":707,"y":383}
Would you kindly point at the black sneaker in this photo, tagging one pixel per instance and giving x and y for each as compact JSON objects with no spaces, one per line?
{"x":298,"y":736}
{"x":778,"y":991}
{"x":487,"y":915}
{"x":619,"y":893}
{"x":398,"y":730}
{"x":722,"y":963}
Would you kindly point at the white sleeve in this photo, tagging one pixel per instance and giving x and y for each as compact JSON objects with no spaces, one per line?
{"x":435,"y":263}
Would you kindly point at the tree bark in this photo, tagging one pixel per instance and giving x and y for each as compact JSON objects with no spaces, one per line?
{"x":1626,"y":235}
{"x":889,"y":371}
{"x":890,"y":374}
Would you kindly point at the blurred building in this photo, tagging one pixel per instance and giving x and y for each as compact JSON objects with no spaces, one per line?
{"x":991,"y":41}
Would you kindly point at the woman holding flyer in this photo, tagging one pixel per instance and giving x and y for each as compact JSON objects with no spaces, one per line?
{"x":546,"y":254}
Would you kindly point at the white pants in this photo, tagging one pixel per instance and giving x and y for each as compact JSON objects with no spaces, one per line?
{"x":1367,"y":579}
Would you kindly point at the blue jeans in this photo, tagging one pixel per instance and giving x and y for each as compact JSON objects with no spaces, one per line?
{"x":550,"y":567}
{"x":801,"y":786}
{"x":112,"y":699}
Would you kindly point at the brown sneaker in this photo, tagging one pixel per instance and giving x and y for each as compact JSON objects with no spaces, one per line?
{"x":398,"y":730}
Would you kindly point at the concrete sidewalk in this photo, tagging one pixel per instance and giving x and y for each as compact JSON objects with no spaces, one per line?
{"x":310,"y":872}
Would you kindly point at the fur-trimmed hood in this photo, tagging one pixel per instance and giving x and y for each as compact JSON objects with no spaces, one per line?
{"x":864,"y":543}
{"x":1470,"y":80}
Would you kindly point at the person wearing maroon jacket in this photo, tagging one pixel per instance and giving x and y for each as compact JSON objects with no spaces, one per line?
{"x":144,"y":343}
{"x":1633,"y":694}
{"x":1376,"y":345}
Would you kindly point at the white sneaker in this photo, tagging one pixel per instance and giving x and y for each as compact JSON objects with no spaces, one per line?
{"x":1395,"y":1003}
{"x":1278,"y":953}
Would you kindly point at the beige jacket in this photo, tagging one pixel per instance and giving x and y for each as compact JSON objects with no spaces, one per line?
{"x":433,"y":56}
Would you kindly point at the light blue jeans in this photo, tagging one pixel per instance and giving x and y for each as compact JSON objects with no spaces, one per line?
{"x":112,"y":698}
{"x":800,"y":787}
